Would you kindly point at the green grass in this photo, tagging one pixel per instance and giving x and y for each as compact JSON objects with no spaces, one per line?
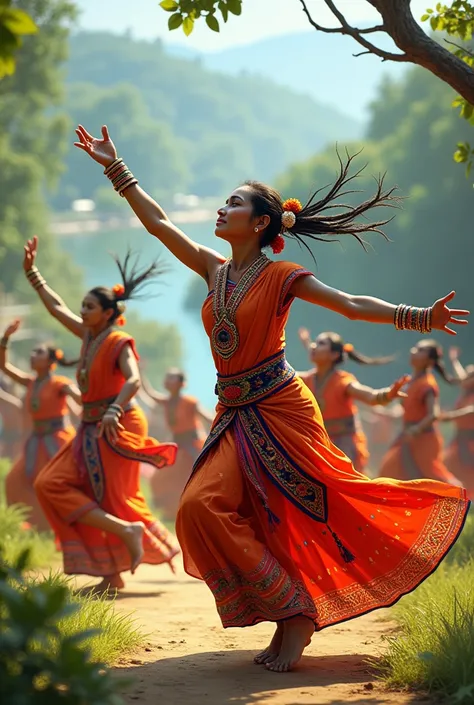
{"x":434,"y":649}
{"x":117,"y":632}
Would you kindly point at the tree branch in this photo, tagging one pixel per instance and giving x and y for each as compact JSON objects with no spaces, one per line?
{"x":417,"y":47}
{"x":353,"y":32}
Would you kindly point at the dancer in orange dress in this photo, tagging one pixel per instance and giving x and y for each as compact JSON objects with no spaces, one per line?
{"x":90,"y":492}
{"x":185,"y":419}
{"x":418,"y":452}
{"x":337,"y":392}
{"x":459,"y":455}
{"x":275,"y":518}
{"x":48,"y":403}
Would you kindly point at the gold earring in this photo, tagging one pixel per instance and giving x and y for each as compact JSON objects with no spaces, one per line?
{"x":256,"y":230}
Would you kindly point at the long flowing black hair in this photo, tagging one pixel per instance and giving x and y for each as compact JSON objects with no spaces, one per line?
{"x":134,"y":279}
{"x":315,"y":221}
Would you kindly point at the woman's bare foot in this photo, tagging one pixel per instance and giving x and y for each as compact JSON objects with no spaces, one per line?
{"x":132,"y":536}
{"x":110,"y":582}
{"x":296,"y":637}
{"x":273,"y":649}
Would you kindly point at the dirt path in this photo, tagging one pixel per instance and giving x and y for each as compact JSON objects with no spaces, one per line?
{"x":191,"y":660}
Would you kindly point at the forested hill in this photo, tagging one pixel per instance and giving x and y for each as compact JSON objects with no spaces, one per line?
{"x":183,"y":127}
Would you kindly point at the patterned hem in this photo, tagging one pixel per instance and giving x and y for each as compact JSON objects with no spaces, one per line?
{"x":265,"y":594}
{"x":440,"y":533}
{"x":78,"y":513}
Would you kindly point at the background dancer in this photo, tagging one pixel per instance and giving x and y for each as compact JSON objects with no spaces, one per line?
{"x":418,"y":452}
{"x":337,"y":392}
{"x":48,"y":402}
{"x":186,"y":422}
{"x":90,"y":492}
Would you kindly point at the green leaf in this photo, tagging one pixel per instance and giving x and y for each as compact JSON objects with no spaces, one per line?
{"x":235,"y":6}
{"x":425,"y":17}
{"x":18,"y":21}
{"x":188,"y":25}
{"x":434,"y":23}
{"x":224,"y":10}
{"x":175,"y":21}
{"x":467,"y":111}
{"x":212,"y":23}
{"x":169,"y":5}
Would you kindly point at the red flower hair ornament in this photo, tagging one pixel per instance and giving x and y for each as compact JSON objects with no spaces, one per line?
{"x":118,"y":289}
{"x":291,"y":207}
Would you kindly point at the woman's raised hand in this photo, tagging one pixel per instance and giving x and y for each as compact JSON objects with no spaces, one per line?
{"x":442,"y":315}
{"x":395,"y":391}
{"x":12,"y":328}
{"x":31,"y":249}
{"x":101,"y":150}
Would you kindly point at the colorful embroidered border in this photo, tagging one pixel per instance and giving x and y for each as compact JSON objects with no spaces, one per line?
{"x":89,"y":349}
{"x":265,"y":593}
{"x":255,"y":384}
{"x":441,"y":530}
{"x":304,"y":491}
{"x":284,"y":305}
{"x":93,"y":461}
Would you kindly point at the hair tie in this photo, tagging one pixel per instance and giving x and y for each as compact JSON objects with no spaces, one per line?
{"x":348,"y":348}
{"x":118,"y":290}
{"x":278,"y":244}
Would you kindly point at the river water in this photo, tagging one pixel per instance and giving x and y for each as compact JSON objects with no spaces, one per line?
{"x":165,"y":301}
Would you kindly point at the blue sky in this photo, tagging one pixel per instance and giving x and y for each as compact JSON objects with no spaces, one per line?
{"x":260,"y":19}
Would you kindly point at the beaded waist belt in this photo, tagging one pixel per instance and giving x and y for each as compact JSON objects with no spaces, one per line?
{"x":342,"y":427}
{"x":44,"y":427}
{"x":93,"y":411}
{"x":255,"y":384}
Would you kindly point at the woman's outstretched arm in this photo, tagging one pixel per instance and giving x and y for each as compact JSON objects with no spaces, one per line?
{"x":10,"y":370}
{"x":368,"y":308}
{"x":52,"y":301}
{"x":200,"y":259}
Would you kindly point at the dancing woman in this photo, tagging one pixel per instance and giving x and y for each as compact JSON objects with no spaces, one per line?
{"x":90,"y":492}
{"x":48,"y":403}
{"x":275,"y":518}
{"x":418,"y":452}
{"x":185,"y":419}
{"x":13,"y":432}
{"x":459,"y":454}
{"x":337,"y":392}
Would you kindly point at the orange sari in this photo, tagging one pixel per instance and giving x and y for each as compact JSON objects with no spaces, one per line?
{"x":188,"y":433}
{"x":417,"y":457}
{"x":459,"y":455}
{"x":12,"y":436}
{"x":90,"y":472}
{"x":46,"y":404}
{"x":340,"y":414}
{"x":275,"y":518}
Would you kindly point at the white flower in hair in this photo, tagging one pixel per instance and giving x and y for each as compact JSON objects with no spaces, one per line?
{"x":288,"y":219}
{"x":121,"y":306}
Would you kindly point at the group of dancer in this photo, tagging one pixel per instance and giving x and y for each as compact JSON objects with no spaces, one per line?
{"x":276,"y":518}
{"x":417,"y":451}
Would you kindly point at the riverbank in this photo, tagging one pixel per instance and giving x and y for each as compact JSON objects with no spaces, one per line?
{"x":93,"y":223}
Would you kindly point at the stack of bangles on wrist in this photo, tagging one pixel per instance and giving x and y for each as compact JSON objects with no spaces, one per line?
{"x":35,"y":278}
{"x":120,"y":176}
{"x":382,"y":397}
{"x":412,"y":318}
{"x":115,"y":409}
{"x":4,"y":342}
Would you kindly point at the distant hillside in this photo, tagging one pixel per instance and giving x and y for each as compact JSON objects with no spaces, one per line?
{"x":184,"y":127}
{"x":321,"y":65}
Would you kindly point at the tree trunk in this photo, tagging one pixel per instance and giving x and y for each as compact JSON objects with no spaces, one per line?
{"x":422,"y":50}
